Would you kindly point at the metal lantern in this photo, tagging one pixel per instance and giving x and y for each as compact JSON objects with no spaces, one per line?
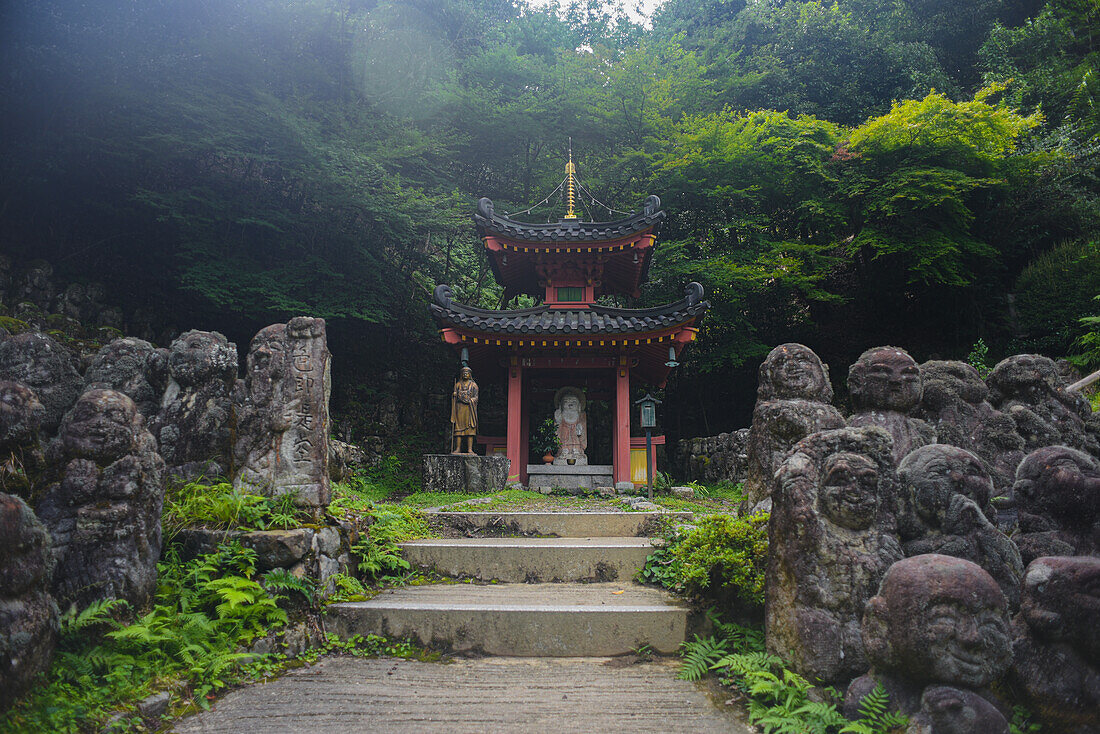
{"x":465,"y":357}
{"x":672,"y":358}
{"x":648,"y":409}
{"x":648,"y":406}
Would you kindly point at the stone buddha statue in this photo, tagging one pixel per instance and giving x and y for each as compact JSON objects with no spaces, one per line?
{"x":572,"y":423}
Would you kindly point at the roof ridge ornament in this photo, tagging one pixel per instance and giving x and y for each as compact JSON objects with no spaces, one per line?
{"x":485,"y":207}
{"x":693,"y":290}
{"x":652,"y":204}
{"x":570,"y":183}
{"x":443,"y":294}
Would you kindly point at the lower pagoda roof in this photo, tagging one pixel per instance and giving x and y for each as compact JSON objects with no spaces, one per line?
{"x":544,"y":320}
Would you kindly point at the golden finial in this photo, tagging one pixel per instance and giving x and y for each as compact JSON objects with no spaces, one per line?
{"x":570,"y":179}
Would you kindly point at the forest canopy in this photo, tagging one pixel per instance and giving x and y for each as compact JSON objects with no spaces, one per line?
{"x":839,"y":173}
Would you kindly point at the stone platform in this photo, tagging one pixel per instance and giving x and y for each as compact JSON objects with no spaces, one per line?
{"x":548,"y":476}
{"x":464,"y":473}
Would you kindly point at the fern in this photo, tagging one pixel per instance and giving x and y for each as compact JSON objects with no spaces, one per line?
{"x":700,"y":655}
{"x":99,"y":612}
{"x":280,"y":579}
{"x":875,"y":716}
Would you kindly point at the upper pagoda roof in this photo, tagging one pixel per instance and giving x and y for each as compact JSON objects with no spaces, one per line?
{"x":566,"y":230}
{"x":590,"y":321}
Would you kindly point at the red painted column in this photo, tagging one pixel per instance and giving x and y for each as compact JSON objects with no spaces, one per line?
{"x":513,"y":436}
{"x":621,"y":450}
{"x":524,"y":433}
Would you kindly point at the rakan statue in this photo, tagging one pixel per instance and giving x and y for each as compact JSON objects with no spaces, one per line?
{"x":572,"y":425}
{"x":885,"y":386}
{"x":464,"y":413}
{"x":793,"y":400}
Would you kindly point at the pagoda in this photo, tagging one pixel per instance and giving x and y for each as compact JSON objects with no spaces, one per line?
{"x":569,"y":341}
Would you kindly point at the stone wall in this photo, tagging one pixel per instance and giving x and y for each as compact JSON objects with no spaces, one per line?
{"x":714,"y":459}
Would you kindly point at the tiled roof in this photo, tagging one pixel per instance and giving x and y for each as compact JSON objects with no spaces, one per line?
{"x":545,"y":320}
{"x":571,"y":230}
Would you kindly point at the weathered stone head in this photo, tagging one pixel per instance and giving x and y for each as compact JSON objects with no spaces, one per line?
{"x":793,"y":372}
{"x":1061,"y":602}
{"x":885,"y":378}
{"x":267,"y":352}
{"x":946,"y":383}
{"x":932,"y":475}
{"x":36,"y":285}
{"x":938,"y":619}
{"x":1060,"y":483}
{"x":1028,"y":377}
{"x":102,"y":426}
{"x":47,"y":368}
{"x":20,"y":414}
{"x":847,"y":474}
{"x":134,"y":367}
{"x":199,"y":356}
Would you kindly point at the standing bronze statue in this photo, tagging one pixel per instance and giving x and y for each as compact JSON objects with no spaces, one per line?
{"x":464,"y":413}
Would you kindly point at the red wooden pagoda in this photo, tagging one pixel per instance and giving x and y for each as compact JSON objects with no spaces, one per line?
{"x":570,"y":339}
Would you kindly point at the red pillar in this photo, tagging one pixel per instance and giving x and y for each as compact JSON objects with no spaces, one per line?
{"x":524,"y":433}
{"x":515,"y":402}
{"x":621,"y":444}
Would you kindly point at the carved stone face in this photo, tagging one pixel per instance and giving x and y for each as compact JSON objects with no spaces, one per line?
{"x":794,"y":372}
{"x":1060,"y":482}
{"x":1061,"y":601}
{"x":198,"y":356}
{"x":848,"y":495}
{"x":935,"y":473}
{"x":1024,"y":375}
{"x":570,"y":409}
{"x":20,"y":413}
{"x":946,"y":382}
{"x":885,"y":378}
{"x":266,"y":356}
{"x":939,"y":619}
{"x":100,"y":426}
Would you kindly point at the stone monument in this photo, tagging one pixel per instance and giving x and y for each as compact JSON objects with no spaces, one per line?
{"x":282,"y":413}
{"x":135,"y":368}
{"x":572,"y":425}
{"x":21,"y":459}
{"x":104,"y":511}
{"x":194,"y":426}
{"x":945,"y":509}
{"x":936,"y":634}
{"x":832,"y":531}
{"x":1058,"y":500}
{"x":464,"y":413}
{"x":46,"y":367}
{"x":1056,"y":643}
{"x":793,"y":400}
{"x":885,"y":386}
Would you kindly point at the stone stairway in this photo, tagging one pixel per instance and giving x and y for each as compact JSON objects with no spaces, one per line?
{"x":569,"y":595}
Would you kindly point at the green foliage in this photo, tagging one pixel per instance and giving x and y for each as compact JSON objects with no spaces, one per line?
{"x":546,"y":438}
{"x":1054,"y":293}
{"x":346,"y":588}
{"x":722,"y":558}
{"x":979,"y":358}
{"x":279,"y":580}
{"x":1023,"y":722}
{"x":699,"y":655}
{"x":875,"y":716}
{"x":379,"y":557}
{"x":222,"y":506}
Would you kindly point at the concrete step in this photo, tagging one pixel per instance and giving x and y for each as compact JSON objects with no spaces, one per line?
{"x":531,"y":560}
{"x":561,"y":524}
{"x":551,"y":620}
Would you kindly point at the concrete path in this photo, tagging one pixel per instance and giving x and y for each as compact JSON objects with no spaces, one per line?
{"x":484,"y":696}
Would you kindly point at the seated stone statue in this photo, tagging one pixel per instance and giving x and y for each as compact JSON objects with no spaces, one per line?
{"x":48,"y":368}
{"x":1056,"y":643}
{"x":885,"y":386}
{"x":1058,"y":498}
{"x":936,"y":634}
{"x":793,"y":400}
{"x":21,"y":459}
{"x":832,"y":532}
{"x":28,"y":615}
{"x":945,"y":509}
{"x":134,"y":367}
{"x":104,"y":511}
{"x":955,"y":403}
{"x":1028,"y":388}
{"x":194,"y":424}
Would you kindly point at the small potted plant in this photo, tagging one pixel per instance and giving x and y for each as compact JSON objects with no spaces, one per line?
{"x":547,"y":441}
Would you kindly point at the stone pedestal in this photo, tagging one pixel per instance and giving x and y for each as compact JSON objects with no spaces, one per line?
{"x":550,"y":476}
{"x":464,"y":473}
